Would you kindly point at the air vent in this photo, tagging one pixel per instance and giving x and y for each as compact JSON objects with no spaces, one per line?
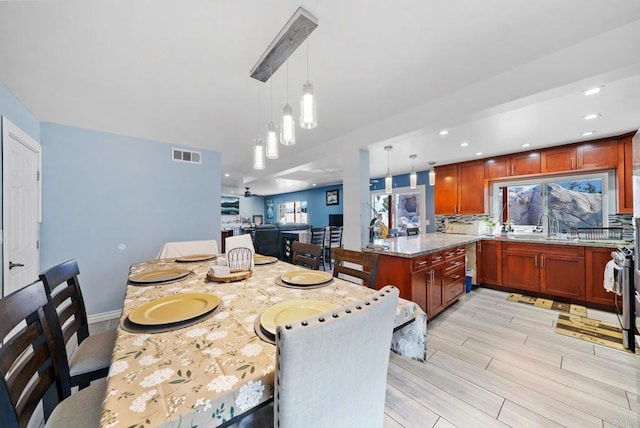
{"x":186,"y":156}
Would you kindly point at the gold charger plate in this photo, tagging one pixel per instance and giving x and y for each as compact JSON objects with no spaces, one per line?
{"x":159,"y":275}
{"x":196,"y":258}
{"x":259,"y":259}
{"x":172,"y":309}
{"x":292,"y":310}
{"x":306,"y":277}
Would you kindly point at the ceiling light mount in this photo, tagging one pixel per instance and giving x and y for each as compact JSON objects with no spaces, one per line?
{"x":294,"y":32}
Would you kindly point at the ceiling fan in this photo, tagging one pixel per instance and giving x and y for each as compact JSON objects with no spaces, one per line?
{"x":248,"y":194}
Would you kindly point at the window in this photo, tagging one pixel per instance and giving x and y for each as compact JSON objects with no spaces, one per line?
{"x":292,"y":212}
{"x":401,"y":209}
{"x":576,"y":201}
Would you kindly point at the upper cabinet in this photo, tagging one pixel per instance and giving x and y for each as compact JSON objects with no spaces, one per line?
{"x":459,"y":188}
{"x":624,"y":176}
{"x":591,"y":155}
{"x":512,"y":165}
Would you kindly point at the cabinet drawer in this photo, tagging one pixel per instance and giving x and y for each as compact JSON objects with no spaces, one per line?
{"x":437,"y":258}
{"x":453,"y":252}
{"x":420,"y":263}
{"x":452,"y":291}
{"x":454,"y":276}
{"x":565,"y":250}
{"x":457,"y":263}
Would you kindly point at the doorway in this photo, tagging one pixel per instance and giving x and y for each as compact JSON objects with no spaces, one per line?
{"x":21,"y":215}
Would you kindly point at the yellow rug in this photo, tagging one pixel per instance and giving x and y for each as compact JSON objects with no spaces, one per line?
{"x":572,"y":321}
{"x":548,"y":304}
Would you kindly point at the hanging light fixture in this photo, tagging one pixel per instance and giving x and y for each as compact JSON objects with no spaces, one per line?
{"x":388,"y":180}
{"x":288,"y":128}
{"x":432,"y":174}
{"x":258,"y":154}
{"x":413,"y":177}
{"x":308,"y":113}
{"x":272,"y":134}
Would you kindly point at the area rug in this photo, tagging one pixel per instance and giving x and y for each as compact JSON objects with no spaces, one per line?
{"x":594,"y":331}
{"x":548,"y":304}
{"x":573,"y":321}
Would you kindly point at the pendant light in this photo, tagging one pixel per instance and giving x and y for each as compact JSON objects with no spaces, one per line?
{"x":432,"y":174}
{"x":413,"y":177}
{"x":272,"y":134}
{"x":258,"y":154}
{"x":388,"y":180}
{"x":308,"y":112}
{"x":288,"y":128}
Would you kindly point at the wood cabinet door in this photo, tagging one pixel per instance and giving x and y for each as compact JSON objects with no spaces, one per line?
{"x":562,"y":275}
{"x":471,"y":187}
{"x":624,"y":176}
{"x":520,"y":270}
{"x":435,"y":301}
{"x":497,"y":167}
{"x":479,"y":263}
{"x":446,"y":189}
{"x":603,"y":154}
{"x":595,"y":261}
{"x":525,"y":163}
{"x":558,"y":159}
{"x":491,"y":262}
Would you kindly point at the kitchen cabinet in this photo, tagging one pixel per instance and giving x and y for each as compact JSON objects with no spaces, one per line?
{"x":459,"y":188}
{"x":558,"y":270}
{"x":624,"y":176}
{"x":591,"y":155}
{"x":489,"y":262}
{"x":595,"y":259}
{"x":445,"y":279}
{"x":512,"y":165}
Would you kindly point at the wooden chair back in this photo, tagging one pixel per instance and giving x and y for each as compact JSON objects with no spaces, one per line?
{"x":367,"y":261}
{"x":28,"y":358}
{"x":307,"y":255}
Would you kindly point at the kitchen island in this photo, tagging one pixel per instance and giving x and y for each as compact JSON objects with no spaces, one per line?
{"x":430,"y":268}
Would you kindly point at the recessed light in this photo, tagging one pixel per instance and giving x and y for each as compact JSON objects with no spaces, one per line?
{"x":586,"y":134}
{"x":233,"y":191}
{"x":226,"y":174}
{"x":478,"y":153}
{"x":591,"y":116}
{"x":593,"y":91}
{"x":443,"y":132}
{"x":526,"y":145}
{"x":464,"y":144}
{"x":314,"y":184}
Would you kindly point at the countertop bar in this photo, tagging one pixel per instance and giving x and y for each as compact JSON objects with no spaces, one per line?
{"x":419,"y":245}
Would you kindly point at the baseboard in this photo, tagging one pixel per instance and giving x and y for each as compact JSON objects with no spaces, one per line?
{"x":103,"y":316}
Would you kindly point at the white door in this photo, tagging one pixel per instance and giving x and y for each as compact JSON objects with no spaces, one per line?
{"x":20,"y":207}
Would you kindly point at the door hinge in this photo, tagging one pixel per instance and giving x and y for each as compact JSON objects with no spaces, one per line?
{"x":37,"y":175}
{"x":38,"y":244}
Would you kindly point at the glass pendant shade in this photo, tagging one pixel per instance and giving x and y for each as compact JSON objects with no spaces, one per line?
{"x":413,"y":180}
{"x":308,"y":119}
{"x":258,"y":155}
{"x":388,"y":185}
{"x":272,"y":141}
{"x":288,"y":129}
{"x":432,"y":177}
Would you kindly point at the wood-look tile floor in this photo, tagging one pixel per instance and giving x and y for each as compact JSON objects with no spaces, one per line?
{"x":497,"y":363}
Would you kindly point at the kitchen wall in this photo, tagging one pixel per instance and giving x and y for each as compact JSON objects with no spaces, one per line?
{"x":317,"y":208}
{"x":111,"y":200}
{"x":19,"y":115}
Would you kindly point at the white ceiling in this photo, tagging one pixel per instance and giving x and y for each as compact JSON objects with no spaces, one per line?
{"x":495,"y":73}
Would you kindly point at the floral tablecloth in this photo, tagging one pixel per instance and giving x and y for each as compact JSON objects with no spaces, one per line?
{"x":206,"y":374}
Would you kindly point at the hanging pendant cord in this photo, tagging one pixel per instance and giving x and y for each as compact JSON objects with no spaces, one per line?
{"x":307,"y":52}
{"x":271,"y":97}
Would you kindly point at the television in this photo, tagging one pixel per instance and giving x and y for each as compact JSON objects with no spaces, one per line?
{"x":335,"y":220}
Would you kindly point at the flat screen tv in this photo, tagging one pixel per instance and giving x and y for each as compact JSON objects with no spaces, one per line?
{"x":335,"y":220}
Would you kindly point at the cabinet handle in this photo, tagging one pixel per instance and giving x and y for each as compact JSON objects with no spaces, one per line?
{"x":572,"y":162}
{"x":507,"y":172}
{"x":535,"y":260}
{"x":541,"y":261}
{"x":479,"y":246}
{"x":512,"y":169}
{"x":422,"y":263}
{"x":457,"y":276}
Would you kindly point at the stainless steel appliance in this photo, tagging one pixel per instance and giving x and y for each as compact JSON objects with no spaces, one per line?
{"x":625,"y":302}
{"x":636,"y":214}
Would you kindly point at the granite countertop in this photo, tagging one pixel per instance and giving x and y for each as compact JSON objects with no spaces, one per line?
{"x":419,"y":245}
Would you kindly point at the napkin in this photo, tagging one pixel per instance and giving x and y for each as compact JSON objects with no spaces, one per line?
{"x":220,"y":271}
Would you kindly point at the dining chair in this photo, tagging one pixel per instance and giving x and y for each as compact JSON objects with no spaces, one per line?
{"x":413,"y":231}
{"x":240,"y":259}
{"x":92,"y":357}
{"x":187,"y":248}
{"x":331,"y":369}
{"x":31,"y":349}
{"x":368,"y":263}
{"x":307,"y":255}
{"x":335,"y":241}
{"x":318,"y":238}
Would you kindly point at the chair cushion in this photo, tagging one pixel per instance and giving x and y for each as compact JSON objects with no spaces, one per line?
{"x":81,"y":409}
{"x":94,"y":353}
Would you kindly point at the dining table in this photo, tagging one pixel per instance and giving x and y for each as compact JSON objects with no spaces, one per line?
{"x":217,"y":367}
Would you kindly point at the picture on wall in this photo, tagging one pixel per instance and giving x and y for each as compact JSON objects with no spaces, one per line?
{"x":230,"y":205}
{"x":332,"y":197}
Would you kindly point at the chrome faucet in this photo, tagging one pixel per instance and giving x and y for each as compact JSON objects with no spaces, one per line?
{"x":545,"y":230}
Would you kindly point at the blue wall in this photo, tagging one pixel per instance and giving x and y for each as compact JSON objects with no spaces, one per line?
{"x":111,"y":200}
{"x":19,"y":115}
{"x":317,"y":209}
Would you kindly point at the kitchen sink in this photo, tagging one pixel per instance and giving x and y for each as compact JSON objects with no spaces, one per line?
{"x":534,"y":237}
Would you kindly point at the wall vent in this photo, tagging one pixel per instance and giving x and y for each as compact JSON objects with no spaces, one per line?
{"x":178,"y":155}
